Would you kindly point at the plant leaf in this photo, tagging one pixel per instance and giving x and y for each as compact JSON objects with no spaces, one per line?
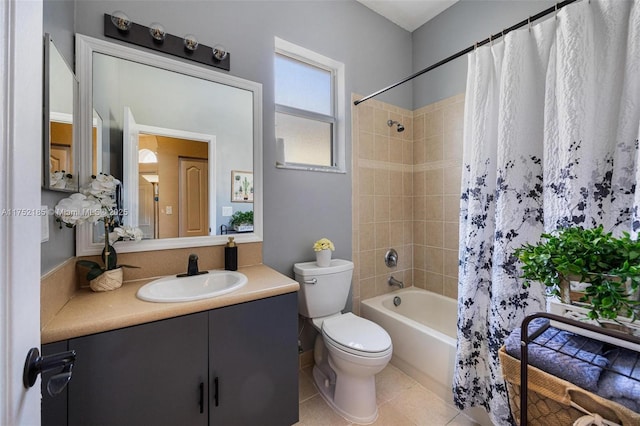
{"x":94,"y":273}
{"x":88,"y":264}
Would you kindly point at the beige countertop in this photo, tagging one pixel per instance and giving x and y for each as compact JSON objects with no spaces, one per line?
{"x":89,"y":312}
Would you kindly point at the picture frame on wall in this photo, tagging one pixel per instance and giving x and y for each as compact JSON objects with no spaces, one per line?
{"x":241,"y":186}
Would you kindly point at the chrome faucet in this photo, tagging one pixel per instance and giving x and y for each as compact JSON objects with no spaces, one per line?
{"x":392,"y":281}
{"x":192,"y":267}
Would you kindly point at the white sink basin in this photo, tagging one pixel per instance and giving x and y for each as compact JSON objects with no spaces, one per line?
{"x":196,"y":287}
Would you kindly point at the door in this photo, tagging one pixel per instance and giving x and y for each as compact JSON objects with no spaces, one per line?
{"x":194,"y":197}
{"x":20,"y":162}
{"x":147,"y":199}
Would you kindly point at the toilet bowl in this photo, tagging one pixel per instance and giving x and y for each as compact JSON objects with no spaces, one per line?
{"x":352,"y":393}
{"x":349,"y":351}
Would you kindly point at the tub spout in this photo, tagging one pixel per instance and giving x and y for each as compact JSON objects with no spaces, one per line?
{"x":393,"y":282}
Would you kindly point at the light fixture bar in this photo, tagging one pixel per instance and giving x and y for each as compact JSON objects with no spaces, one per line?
{"x":173,"y":45}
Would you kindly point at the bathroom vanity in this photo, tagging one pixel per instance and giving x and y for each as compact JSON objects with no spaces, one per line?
{"x":232,"y":360}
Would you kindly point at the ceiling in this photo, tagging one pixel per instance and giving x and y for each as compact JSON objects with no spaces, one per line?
{"x":408,"y":14}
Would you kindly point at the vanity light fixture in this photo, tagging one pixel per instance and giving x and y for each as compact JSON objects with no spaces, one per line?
{"x":121,"y":21}
{"x":157,"y":32}
{"x":119,"y":26}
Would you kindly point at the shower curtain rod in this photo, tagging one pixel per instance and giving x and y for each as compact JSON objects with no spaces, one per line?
{"x":469,"y":49}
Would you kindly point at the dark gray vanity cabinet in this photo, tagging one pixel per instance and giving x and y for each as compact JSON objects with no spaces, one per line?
{"x":150,"y":374}
{"x":253,"y":363}
{"x":236,"y":365}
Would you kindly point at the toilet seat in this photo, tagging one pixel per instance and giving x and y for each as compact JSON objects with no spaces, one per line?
{"x":356,"y":335}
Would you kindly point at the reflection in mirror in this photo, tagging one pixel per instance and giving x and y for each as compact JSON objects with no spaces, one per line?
{"x":96,"y":143}
{"x":60,"y":91}
{"x":172,"y":132}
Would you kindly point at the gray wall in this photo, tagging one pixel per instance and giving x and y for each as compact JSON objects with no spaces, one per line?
{"x":455,"y":29}
{"x":299,"y":207}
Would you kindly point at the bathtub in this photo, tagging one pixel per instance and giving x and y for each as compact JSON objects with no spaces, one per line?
{"x":423,"y":331}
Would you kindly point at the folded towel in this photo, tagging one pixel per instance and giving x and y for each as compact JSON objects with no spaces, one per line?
{"x":568,"y":356}
{"x":621,"y":381}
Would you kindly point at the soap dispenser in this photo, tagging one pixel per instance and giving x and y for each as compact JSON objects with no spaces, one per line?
{"x":231,"y":256}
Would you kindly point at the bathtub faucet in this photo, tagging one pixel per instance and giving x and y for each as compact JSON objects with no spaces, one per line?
{"x":392,"y":281}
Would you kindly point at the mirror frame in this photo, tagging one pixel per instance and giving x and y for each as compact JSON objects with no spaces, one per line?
{"x":85,"y":47}
{"x":47,"y":116}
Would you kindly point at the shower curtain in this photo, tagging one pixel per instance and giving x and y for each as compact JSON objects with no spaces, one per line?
{"x":551,"y":127}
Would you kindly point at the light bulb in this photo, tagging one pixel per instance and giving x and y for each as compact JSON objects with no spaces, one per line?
{"x":219,"y":52}
{"x":121,"y":20}
{"x":157,"y":31}
{"x":190,"y":42}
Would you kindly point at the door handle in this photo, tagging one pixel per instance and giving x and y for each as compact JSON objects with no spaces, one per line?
{"x":215,"y":392}
{"x":201,"y":402}
{"x":36,"y":364}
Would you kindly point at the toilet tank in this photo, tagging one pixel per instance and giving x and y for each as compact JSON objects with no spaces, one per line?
{"x":323,"y":291}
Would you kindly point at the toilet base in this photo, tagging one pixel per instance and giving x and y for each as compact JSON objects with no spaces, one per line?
{"x":328,"y":390}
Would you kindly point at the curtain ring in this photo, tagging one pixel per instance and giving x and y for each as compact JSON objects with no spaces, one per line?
{"x":556,"y":10}
{"x":529,"y":22}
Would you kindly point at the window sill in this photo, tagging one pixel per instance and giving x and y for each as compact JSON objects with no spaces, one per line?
{"x":309,"y":168}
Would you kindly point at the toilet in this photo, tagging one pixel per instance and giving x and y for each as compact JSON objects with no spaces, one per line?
{"x":349,"y":351}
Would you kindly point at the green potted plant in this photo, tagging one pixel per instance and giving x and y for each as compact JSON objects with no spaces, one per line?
{"x":242,"y":221}
{"x":609,"y":267}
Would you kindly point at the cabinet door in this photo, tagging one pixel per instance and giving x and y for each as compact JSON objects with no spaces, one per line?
{"x":150,"y":374}
{"x":54,"y":408}
{"x":254,"y":363}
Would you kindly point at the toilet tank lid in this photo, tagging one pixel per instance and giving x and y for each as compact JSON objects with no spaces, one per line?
{"x":307,"y":269}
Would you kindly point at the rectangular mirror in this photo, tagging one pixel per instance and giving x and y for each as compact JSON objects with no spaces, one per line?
{"x":60,"y":91}
{"x":173,"y":133}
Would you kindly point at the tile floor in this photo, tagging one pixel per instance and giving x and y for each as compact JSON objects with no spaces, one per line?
{"x":401,"y":402}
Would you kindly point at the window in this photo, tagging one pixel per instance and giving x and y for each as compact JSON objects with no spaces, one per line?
{"x":309,"y":98}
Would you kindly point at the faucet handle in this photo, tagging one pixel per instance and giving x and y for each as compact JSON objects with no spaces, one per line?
{"x":391,"y":258}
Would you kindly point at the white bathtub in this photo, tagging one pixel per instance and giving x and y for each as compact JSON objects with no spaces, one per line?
{"x":423,"y":332}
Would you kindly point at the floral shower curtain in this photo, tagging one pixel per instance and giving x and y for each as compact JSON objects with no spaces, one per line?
{"x":552,"y":119}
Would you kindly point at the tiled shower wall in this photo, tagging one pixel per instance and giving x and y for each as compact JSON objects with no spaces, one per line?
{"x":406,"y":194}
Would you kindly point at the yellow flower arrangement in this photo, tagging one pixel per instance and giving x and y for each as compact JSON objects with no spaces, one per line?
{"x":323,"y":244}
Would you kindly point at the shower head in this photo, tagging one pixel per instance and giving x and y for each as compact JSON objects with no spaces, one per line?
{"x":400,"y":128}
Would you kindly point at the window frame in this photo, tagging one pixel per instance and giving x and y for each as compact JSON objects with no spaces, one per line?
{"x":338,"y":106}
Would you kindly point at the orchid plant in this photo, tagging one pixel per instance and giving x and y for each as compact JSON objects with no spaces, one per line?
{"x":323,"y":244}
{"x":60,"y":179}
{"x":95,"y":203}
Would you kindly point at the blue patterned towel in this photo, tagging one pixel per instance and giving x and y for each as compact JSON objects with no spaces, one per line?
{"x":566,"y":355}
{"x":621,"y":381}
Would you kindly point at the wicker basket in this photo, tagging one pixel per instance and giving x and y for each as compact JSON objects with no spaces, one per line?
{"x":108,"y":280}
{"x":552,"y":401}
